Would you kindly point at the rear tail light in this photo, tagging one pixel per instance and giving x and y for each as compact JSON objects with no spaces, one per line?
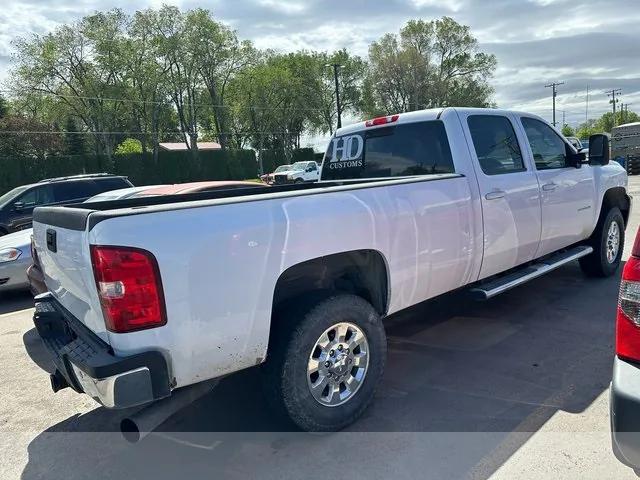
{"x":628,"y":315}
{"x":129,"y":287}
{"x":381,"y":120}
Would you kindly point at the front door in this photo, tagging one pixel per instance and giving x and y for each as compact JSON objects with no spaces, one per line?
{"x":568,"y":193}
{"x":23,"y":206}
{"x":509,"y":191}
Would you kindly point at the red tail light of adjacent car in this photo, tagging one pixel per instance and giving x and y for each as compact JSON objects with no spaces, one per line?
{"x":628,"y":315}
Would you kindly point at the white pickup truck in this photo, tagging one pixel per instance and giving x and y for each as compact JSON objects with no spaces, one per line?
{"x":299,"y":172}
{"x":150,"y":295}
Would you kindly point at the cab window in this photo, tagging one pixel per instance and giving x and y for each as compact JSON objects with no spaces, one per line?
{"x":496,"y":145}
{"x":420,"y":148}
{"x":548,"y":148}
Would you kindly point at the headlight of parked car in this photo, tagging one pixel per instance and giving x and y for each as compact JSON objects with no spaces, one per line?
{"x":9,"y":255}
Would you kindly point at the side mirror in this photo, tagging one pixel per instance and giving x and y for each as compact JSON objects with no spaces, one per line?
{"x":599,"y":151}
{"x":18,"y":206}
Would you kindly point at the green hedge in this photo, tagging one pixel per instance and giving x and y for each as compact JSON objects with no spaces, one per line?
{"x":171,"y":167}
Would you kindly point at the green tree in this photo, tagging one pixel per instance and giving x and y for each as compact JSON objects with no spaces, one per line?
{"x":22,"y":136}
{"x":586,"y":129}
{"x":129,"y":145}
{"x":80,"y":66}
{"x":4,"y":107}
{"x":568,"y":131}
{"x":150,"y":109}
{"x":219,"y":56}
{"x":428,"y":64}
{"x":321,"y":84}
{"x":74,"y":140}
{"x":605,"y":123}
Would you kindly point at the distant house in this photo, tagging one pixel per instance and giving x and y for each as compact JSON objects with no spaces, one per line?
{"x":182,"y":147}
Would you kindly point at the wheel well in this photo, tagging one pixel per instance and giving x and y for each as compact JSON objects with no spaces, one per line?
{"x":361,"y":272}
{"x":616,"y":197}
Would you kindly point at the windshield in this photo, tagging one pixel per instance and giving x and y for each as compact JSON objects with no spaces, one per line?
{"x":10,"y":195}
{"x":299,"y":166}
{"x":282,"y":168}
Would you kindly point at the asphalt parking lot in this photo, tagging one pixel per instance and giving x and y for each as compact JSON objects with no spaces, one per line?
{"x":515,"y":387}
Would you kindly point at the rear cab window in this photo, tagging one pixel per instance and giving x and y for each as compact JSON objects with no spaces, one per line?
{"x":420,"y":148}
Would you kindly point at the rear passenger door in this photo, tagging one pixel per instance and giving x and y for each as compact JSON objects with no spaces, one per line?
{"x":509,"y":191}
{"x":567,"y":193}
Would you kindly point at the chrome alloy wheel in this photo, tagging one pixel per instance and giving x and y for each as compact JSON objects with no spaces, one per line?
{"x":338,"y":364}
{"x":613,"y":242}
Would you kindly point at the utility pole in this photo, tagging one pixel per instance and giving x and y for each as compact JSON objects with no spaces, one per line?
{"x":612,"y":93}
{"x":626,"y":112}
{"x":563,"y":119}
{"x":555,"y":94}
{"x":586,"y":111}
{"x":336,"y":66}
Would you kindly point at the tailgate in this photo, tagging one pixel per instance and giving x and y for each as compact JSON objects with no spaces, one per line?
{"x":63,"y":253}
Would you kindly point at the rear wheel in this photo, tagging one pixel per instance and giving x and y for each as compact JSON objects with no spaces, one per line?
{"x":608,"y":243}
{"x":326,"y":361}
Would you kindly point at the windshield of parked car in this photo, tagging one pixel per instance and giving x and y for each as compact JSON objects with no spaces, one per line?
{"x":10,"y":195}
{"x":299,"y":166}
{"x":282,"y":168}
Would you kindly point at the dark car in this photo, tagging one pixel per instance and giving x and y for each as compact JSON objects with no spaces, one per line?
{"x":16,"y":206}
{"x":625,"y":385}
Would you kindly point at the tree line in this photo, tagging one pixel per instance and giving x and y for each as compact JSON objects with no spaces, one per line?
{"x":605,"y":123}
{"x":115,"y":82}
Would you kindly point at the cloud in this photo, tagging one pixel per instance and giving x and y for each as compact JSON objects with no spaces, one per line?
{"x":535,"y":41}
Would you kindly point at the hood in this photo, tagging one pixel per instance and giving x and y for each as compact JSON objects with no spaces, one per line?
{"x":20,"y":240}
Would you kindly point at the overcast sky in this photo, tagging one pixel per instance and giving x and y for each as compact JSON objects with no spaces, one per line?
{"x":589,"y":42}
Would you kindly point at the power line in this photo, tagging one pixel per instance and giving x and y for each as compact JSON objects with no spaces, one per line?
{"x":165,"y":102}
{"x":555,"y":94}
{"x":86,"y":132}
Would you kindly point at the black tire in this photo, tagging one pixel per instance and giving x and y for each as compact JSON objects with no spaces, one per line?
{"x":298,"y":180}
{"x":285,"y":375}
{"x":597,"y":264}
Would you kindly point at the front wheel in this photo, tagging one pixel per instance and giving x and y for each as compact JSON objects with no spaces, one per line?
{"x":608,"y":243}
{"x":298,"y":180}
{"x":325,"y":363}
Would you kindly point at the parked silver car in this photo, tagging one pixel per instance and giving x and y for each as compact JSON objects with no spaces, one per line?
{"x":15,"y":258}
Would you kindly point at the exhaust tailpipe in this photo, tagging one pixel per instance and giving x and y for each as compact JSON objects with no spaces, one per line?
{"x":138,"y":425}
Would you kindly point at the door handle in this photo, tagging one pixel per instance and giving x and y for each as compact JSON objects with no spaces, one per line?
{"x":549,"y":187}
{"x":495,"y":194}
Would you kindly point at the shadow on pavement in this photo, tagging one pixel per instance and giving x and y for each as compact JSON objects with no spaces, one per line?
{"x":14,"y":301}
{"x":466,"y":385}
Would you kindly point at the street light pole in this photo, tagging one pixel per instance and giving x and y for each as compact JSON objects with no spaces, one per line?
{"x":336,"y":66}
